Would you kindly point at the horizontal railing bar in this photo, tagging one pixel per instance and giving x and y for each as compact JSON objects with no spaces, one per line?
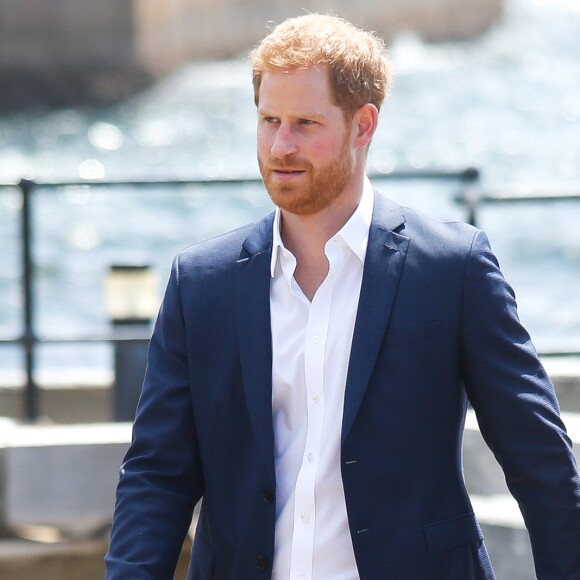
{"x":558,"y":353}
{"x":112,"y":338}
{"x":528,"y":198}
{"x":210,"y":181}
{"x":77,"y":339}
{"x":484,"y":197}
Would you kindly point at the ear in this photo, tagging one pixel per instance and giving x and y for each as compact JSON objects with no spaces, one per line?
{"x":365,"y":123}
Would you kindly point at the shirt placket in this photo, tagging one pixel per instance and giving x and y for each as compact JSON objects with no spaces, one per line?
{"x":305,"y":504}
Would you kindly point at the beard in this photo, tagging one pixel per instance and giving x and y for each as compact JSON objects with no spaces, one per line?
{"x":318,"y":188}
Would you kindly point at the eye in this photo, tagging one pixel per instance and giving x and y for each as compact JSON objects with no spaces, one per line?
{"x":307,"y":122}
{"x":270,"y":120}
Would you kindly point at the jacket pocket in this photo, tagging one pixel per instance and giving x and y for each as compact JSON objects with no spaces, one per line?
{"x":452,"y":533}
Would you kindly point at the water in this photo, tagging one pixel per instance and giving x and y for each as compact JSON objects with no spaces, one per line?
{"x":508,"y":103}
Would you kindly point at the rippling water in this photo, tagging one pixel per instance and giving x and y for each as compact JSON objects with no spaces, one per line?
{"x":508,"y":103}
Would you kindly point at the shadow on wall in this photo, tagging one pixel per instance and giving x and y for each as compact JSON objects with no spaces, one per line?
{"x":69,"y":86}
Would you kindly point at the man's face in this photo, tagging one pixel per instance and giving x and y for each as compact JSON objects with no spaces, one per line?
{"x":305,"y":148}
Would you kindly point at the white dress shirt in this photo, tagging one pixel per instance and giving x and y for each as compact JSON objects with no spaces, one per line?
{"x":311,"y":344}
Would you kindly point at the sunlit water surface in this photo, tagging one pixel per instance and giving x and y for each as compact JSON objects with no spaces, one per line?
{"x":508,"y":103}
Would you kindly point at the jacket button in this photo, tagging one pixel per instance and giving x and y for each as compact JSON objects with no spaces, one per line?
{"x":262,"y":562}
{"x":267,"y":495}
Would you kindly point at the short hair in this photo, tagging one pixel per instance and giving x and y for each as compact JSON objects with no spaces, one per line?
{"x":356,"y":59}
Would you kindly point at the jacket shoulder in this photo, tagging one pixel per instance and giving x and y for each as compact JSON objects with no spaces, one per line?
{"x":226,"y":248}
{"x":426,"y":232}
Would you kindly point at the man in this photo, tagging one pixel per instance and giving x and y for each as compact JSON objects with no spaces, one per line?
{"x":309,"y":374}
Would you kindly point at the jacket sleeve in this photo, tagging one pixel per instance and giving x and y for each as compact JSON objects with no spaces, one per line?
{"x":160,"y":479}
{"x":519,"y":417}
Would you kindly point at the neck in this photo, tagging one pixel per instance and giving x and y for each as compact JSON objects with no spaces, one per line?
{"x":309,"y":233}
{"x":306,"y":236}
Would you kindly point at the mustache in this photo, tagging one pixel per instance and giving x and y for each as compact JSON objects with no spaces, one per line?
{"x":288,"y":164}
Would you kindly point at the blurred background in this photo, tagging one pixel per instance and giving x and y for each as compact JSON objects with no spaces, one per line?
{"x":134,"y":90}
{"x":95,"y":96}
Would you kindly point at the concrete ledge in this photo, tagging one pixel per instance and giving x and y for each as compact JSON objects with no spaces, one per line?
{"x":483,"y":474}
{"x":22,"y":560}
{"x":510,"y":552}
{"x":505,"y":535}
{"x":73,"y":560}
{"x":61,"y":476}
{"x":498,"y":513}
{"x":565,"y":374}
{"x":75,"y":395}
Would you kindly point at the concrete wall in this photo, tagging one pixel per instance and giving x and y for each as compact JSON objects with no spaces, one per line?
{"x":36,"y":33}
{"x":173,"y":31}
{"x":161,"y":34}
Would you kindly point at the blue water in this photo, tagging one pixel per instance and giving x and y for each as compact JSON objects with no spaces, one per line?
{"x":508,"y":103}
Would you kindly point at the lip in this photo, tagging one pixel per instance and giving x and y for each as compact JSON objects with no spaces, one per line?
{"x":287,"y":173}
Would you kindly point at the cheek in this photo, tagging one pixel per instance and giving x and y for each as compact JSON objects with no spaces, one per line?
{"x":262,"y":148}
{"x":323,"y":150}
{"x":264,"y":141}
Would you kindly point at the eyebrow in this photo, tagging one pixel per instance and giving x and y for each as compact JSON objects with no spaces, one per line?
{"x":298,"y":115}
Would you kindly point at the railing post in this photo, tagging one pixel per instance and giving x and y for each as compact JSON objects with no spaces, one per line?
{"x":28,"y":337}
{"x":3,"y":526}
{"x":471,"y":193}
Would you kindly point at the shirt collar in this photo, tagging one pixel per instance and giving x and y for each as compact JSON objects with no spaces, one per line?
{"x":355,"y":231}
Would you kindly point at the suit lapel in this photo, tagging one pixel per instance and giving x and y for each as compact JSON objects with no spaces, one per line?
{"x":384,"y":262}
{"x":253,"y":325}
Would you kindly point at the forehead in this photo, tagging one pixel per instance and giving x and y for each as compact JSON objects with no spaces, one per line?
{"x":302,"y":88}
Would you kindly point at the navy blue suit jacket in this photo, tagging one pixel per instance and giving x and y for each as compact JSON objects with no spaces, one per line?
{"x":436,"y":326}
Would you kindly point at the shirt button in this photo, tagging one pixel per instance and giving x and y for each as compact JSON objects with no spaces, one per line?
{"x":305,"y":518}
{"x":300,"y":577}
{"x":316,"y":397}
{"x":268,"y":495}
{"x":311,"y":457}
{"x":316,"y":339}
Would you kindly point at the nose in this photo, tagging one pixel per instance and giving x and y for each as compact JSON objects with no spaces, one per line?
{"x":284,"y":143}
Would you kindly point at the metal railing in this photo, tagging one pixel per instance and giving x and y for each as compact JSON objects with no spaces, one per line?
{"x":470,"y":196}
